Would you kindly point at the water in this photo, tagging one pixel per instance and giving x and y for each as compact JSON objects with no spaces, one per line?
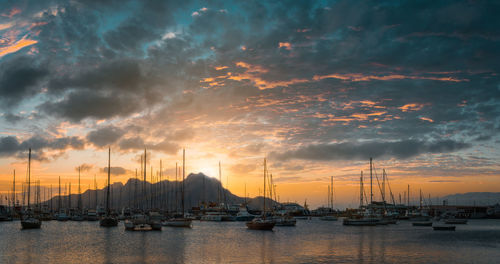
{"x":311,"y":241}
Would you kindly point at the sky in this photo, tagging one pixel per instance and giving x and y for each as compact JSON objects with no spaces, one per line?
{"x":316,"y":87}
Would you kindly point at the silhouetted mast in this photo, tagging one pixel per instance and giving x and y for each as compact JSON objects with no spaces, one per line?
{"x":371,"y":182}
{"x":361,"y":190}
{"x":109,"y":181}
{"x":79,"y":191}
{"x":29,"y":176}
{"x":183,"y":174}
{"x":265,"y":171}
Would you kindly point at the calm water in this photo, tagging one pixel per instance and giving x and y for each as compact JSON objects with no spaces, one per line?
{"x":311,"y":241}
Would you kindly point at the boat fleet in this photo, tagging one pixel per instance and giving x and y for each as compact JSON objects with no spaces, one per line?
{"x":142,"y":218}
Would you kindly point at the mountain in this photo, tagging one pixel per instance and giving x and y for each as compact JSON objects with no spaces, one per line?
{"x":137,"y":193}
{"x":471,"y":198}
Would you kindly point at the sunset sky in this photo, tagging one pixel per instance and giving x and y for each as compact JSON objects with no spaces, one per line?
{"x":317,"y":87}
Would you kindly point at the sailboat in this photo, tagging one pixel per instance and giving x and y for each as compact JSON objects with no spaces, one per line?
{"x":141,"y":221}
{"x":108,"y":220}
{"x":29,"y":221}
{"x":180,"y":221}
{"x":261,"y":223}
{"x":365,"y":218}
{"x":330,"y":216}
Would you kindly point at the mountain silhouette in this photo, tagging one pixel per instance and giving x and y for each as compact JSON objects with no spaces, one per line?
{"x":135,"y":193}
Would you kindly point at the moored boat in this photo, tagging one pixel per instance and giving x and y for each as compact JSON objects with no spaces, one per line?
{"x":361,"y":221}
{"x":425,"y":223}
{"x":444,"y":228}
{"x":328,"y":218}
{"x":261,"y":224}
{"x":31,"y":223}
{"x":178,"y":222}
{"x":455,"y":221}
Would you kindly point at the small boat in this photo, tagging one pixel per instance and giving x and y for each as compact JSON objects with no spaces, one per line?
{"x":328,"y":218}
{"x":62,"y":216}
{"x":77,"y":217}
{"x":422,"y":223}
{"x":31,"y":223}
{"x":261,"y":224}
{"x":212,"y":217}
{"x":138,"y":222}
{"x":444,"y":228}
{"x":92,"y":215}
{"x":178,"y":222}
{"x":361,"y":221}
{"x":456,"y":221}
{"x":108,"y":221}
{"x":155,"y":220}
{"x":244,"y":215}
{"x":285,"y":221}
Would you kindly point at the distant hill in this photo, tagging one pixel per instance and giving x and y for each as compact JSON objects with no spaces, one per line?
{"x":471,"y":198}
{"x":198,"y":188}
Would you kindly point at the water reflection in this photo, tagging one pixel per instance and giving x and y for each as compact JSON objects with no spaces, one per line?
{"x":309,"y":242}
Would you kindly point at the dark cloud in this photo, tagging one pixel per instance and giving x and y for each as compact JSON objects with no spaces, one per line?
{"x":12,"y":118}
{"x":362,"y":151}
{"x":105,"y":136}
{"x":11,"y":147}
{"x":80,"y":105}
{"x":19,"y":79}
{"x":137,"y":143}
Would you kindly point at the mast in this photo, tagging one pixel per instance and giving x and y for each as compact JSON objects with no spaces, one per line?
{"x":331,"y":195}
{"x":361,"y":190}
{"x":60,"y":201}
{"x":79,"y":190}
{"x":14,"y":189}
{"x":176,"y":190}
{"x":183,"y":174}
{"x":383,"y":185}
{"x":161,"y":188}
{"x":109,"y":181}
{"x":69,"y":196}
{"x":51,"y":199}
{"x":29,"y":176}
{"x":95,"y":192}
{"x":371,"y":182}
{"x":264,"y":212}
{"x":218,"y":188}
{"x":135,"y":190}
{"x":408,"y":196}
{"x":144,"y":183}
{"x":420,"y":199}
{"x":328,"y":196}
{"x":151,"y":189}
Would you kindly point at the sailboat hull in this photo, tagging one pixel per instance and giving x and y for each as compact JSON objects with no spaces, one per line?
{"x":177,"y":222}
{"x":108,"y":222}
{"x":261,"y":225}
{"x":31,"y":224}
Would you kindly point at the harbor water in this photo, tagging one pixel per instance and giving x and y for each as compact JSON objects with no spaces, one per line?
{"x":311,"y":241}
